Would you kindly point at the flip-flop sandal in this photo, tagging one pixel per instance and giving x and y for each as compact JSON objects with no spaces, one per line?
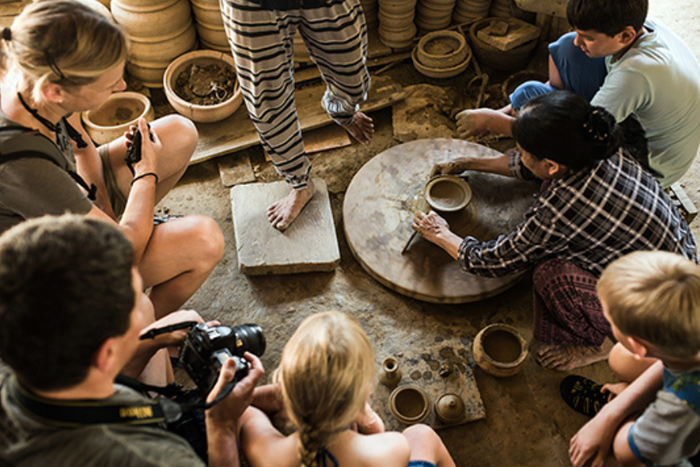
{"x":583,"y":395}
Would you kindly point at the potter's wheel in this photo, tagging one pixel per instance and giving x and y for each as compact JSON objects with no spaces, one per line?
{"x":378,"y":210}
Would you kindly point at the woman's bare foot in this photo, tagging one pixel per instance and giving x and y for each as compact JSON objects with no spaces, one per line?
{"x":562,"y":358}
{"x":361,"y":128}
{"x":282,"y":213}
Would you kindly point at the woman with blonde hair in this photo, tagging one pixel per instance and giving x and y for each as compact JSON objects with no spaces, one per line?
{"x":324,"y":380}
{"x":62,"y":58}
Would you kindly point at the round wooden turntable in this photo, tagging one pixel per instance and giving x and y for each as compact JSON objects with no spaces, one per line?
{"x":379,"y":207}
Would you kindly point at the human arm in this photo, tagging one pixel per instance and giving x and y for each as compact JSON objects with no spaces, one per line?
{"x":222,"y":420}
{"x":624,"y":92}
{"x":436,"y":230}
{"x":554,"y":78}
{"x":479,"y":122}
{"x":496,"y":165}
{"x":591,"y":445}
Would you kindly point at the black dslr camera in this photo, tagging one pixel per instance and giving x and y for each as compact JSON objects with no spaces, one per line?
{"x":206,"y":349}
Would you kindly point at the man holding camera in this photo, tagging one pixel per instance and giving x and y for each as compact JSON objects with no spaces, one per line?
{"x":71,"y":313}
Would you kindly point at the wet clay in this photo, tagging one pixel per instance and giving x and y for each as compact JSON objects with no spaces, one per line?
{"x":205,"y":85}
{"x":447,"y":195}
{"x":502,"y":346}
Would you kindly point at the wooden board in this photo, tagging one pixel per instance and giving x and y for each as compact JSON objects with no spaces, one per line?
{"x":237,"y":131}
{"x":309,"y":244}
{"x":378,"y":212}
{"x":235,"y":170}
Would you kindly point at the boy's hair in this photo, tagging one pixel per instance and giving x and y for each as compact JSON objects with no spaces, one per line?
{"x":607,"y":16}
{"x":326,"y":372}
{"x":655,"y":296}
{"x":65,"y":288}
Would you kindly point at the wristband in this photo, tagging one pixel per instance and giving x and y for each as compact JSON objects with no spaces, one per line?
{"x":139,"y":177}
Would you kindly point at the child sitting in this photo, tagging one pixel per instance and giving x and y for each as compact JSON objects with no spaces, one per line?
{"x":652,"y":300}
{"x":325,"y":377}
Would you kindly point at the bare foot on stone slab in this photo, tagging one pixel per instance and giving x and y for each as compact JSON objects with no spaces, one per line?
{"x":282,"y":213}
{"x":361,"y":128}
{"x":563,"y":358}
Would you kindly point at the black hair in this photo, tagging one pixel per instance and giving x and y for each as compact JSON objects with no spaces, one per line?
{"x":65,"y":288}
{"x":564,"y":127}
{"x":607,"y":16}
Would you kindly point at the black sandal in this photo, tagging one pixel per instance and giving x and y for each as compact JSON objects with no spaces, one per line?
{"x":583,"y":395}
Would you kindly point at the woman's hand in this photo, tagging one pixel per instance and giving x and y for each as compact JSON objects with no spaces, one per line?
{"x":431,"y":226}
{"x":455,"y":166}
{"x":151,"y":147}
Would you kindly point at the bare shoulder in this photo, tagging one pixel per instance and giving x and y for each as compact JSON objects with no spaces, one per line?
{"x":383,"y":449}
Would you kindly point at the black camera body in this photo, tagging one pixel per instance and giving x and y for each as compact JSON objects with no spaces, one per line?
{"x":206,"y":349}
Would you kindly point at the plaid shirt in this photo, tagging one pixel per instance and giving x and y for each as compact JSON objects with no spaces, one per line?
{"x":590,"y":217}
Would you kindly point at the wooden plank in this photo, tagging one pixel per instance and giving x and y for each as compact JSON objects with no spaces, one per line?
{"x":236,"y":170}
{"x":309,"y":244}
{"x":237,"y":132}
{"x":683,"y":202}
{"x":323,"y":139}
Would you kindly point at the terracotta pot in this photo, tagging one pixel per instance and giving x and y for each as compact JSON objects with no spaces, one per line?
{"x":398,"y":39}
{"x":212,"y":35}
{"x":221,"y":48}
{"x":200,"y":113}
{"x":448,"y":193}
{"x":442,"y":49}
{"x":114,"y":117}
{"x":163,"y":49}
{"x":500,"y":350}
{"x":397,"y":7}
{"x":516,"y":79}
{"x":390,"y":373}
{"x":409,"y":404}
{"x":513,"y":59}
{"x":440,"y":72}
{"x":450,"y":408}
{"x":151,"y":18}
{"x":207,"y":13}
{"x":396,"y":22}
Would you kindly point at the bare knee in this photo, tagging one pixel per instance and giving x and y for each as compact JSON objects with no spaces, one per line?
{"x":425,"y":443}
{"x":180,"y":134}
{"x":625,"y":365}
{"x":207,"y":235}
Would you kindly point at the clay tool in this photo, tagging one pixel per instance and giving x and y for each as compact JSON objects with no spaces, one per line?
{"x":408,"y":243}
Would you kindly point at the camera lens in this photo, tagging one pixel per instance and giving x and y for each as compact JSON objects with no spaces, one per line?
{"x":250,"y":337}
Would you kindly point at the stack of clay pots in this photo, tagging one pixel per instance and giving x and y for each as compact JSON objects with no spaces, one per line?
{"x":432,"y":15}
{"x":210,"y":25}
{"x":369,"y":8}
{"x":508,"y":9}
{"x":470,"y":10}
{"x":396,"y":27}
{"x":159,"y":31}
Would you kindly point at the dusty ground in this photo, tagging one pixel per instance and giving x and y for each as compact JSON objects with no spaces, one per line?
{"x":526,"y":424}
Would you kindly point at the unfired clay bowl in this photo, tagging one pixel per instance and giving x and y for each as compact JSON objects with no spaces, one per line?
{"x":448,"y":193}
{"x":500,"y":350}
{"x":114,"y":117}
{"x":409,"y":404}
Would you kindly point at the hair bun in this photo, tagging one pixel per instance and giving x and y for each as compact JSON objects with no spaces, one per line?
{"x":599,"y":126}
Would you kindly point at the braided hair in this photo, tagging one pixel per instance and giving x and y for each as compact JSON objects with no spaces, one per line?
{"x":326,"y":372}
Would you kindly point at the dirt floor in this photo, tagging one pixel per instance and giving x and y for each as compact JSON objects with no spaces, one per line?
{"x":526,"y":422}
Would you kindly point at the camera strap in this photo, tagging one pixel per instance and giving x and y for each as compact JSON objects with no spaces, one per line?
{"x":73,"y":414}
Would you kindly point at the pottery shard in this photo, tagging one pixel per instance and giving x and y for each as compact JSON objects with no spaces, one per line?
{"x":518,"y":33}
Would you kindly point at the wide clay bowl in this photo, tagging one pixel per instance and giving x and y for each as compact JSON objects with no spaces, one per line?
{"x":114,"y":117}
{"x":448,"y":193}
{"x":500,"y":350}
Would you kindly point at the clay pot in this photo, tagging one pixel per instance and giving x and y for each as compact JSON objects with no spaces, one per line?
{"x":488,"y":55}
{"x":409,"y":404}
{"x":390,"y":373}
{"x":397,"y":7}
{"x":200,"y":113}
{"x":500,"y":350}
{"x":448,"y":193}
{"x":213,"y":35}
{"x":396,"y":22}
{"x":114,"y":117}
{"x":516,"y":79}
{"x":99,"y":6}
{"x":207,"y":13}
{"x":450,"y":408}
{"x":398,"y":39}
{"x":162,"y":49}
{"x":442,"y":49}
{"x":151,"y":18}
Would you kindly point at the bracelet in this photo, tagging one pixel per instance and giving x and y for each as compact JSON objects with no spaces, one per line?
{"x":139,"y":177}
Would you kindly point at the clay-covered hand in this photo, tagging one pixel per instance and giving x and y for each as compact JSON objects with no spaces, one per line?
{"x":455,"y":166}
{"x":227,"y":412}
{"x":474,"y":122}
{"x":430,"y":226}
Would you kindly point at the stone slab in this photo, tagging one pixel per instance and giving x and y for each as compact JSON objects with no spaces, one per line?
{"x":235,"y":170}
{"x":420,"y":367}
{"x":308,"y":245}
{"x":519,"y":32}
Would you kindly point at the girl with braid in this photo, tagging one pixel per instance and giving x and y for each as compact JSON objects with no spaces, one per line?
{"x":323,"y":384}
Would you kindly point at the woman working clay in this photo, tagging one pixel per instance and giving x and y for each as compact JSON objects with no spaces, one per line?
{"x":63,"y":58}
{"x":596,"y":204}
{"x":325,"y":377}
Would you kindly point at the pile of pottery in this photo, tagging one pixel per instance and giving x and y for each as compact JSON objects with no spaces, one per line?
{"x":470,"y":10}
{"x":159,"y":31}
{"x":507,"y":9}
{"x":444,"y":54}
{"x":396,"y":26}
{"x":210,"y":25}
{"x":369,"y":8}
{"x":432,"y":15}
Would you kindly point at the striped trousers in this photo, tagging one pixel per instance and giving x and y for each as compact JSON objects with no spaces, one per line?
{"x":262,"y":45}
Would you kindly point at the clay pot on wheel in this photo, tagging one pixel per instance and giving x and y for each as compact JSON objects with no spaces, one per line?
{"x":409,"y":404}
{"x":448,"y":193}
{"x":500,"y":350}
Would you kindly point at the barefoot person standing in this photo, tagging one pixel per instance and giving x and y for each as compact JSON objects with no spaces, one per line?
{"x":261,"y":34}
{"x":596,"y":204}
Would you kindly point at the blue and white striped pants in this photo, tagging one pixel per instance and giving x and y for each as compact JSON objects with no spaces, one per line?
{"x":262,"y":44}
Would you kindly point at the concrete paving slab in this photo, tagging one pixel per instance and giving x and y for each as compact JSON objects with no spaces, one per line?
{"x":308,"y":245}
{"x":235,"y":170}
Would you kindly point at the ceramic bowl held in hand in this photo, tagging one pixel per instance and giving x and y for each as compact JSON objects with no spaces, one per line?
{"x":114,"y":117}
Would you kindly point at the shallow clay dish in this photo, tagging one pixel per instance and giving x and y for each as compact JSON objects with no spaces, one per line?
{"x":442,"y":49}
{"x":114,"y":117}
{"x":448,"y":193}
{"x":200,"y":113}
{"x":447,"y":72}
{"x":500,"y":350}
{"x":409,"y":404}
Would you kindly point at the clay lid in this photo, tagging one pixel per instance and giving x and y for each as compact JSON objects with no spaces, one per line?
{"x":450,"y":407}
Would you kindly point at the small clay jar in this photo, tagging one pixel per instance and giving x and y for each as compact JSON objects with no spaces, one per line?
{"x":449,"y":408}
{"x":448,"y":193}
{"x":500,"y":350}
{"x":409,"y":404}
{"x":390,"y":373}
